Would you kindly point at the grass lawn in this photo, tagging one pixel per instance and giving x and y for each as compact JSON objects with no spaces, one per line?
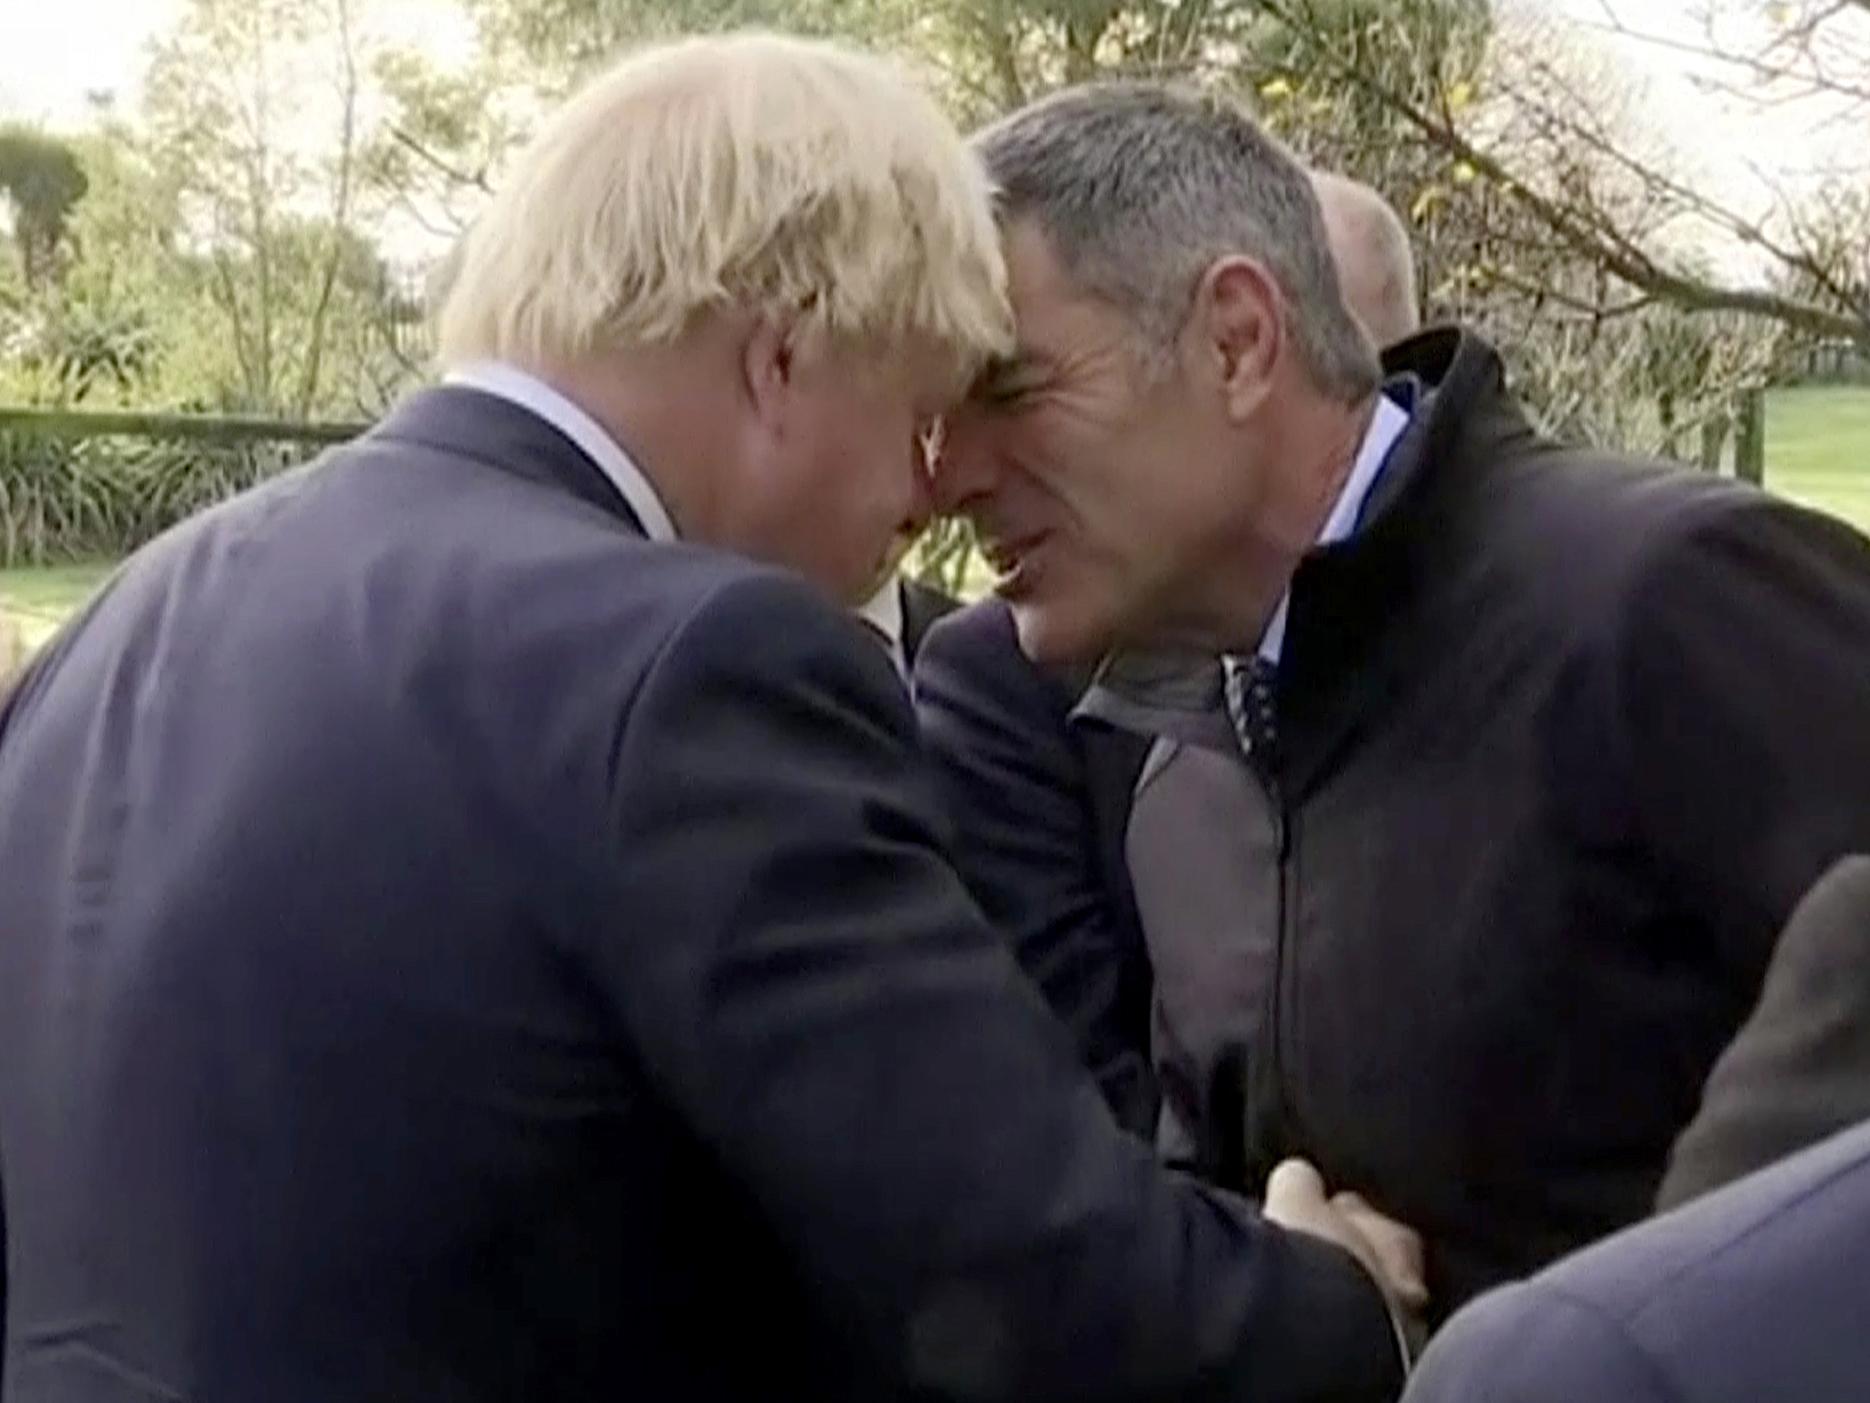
{"x":40,"y":597}
{"x":1818,"y":448}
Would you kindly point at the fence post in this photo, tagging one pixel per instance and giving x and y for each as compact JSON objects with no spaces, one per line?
{"x":1713,"y":441}
{"x":1750,"y":437}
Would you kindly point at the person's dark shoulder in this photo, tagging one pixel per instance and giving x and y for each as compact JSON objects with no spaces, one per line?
{"x":506,"y":571}
{"x":529,"y":618}
{"x":751,"y":650}
{"x":973,"y":654}
{"x":1600,"y":547}
{"x":733,"y":616}
{"x":1567,"y":508}
{"x":984,"y":627}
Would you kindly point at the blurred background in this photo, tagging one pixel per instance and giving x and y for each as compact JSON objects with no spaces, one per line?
{"x":221,"y":220}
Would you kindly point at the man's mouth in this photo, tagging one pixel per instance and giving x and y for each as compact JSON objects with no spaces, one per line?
{"x":1013,"y":560}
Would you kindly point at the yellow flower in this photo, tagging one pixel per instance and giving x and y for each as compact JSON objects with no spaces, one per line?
{"x":1275,"y":88}
{"x":1462,"y":173}
{"x":1460,"y":95}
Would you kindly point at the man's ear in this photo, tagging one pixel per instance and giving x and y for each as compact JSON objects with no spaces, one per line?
{"x":1239,"y":329}
{"x":768,"y":365}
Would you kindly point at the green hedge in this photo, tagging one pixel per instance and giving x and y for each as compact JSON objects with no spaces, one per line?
{"x":64,"y":498}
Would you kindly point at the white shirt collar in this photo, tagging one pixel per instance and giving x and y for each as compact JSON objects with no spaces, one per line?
{"x":883,"y":611}
{"x":516,"y":386}
{"x":1386,"y":427}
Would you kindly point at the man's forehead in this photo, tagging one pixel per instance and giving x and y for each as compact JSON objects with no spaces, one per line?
{"x":1035,"y":272}
{"x":1055,"y":310}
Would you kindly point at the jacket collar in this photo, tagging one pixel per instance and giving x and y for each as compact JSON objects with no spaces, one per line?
{"x":468,"y":423}
{"x":1342,"y":660}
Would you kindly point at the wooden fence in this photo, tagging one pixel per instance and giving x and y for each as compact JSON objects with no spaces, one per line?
{"x":58,"y":503}
{"x":219,"y":429}
{"x":87,"y":483}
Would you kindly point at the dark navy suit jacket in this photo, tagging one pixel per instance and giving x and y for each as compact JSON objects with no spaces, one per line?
{"x":452,"y":948}
{"x":1756,"y":1292}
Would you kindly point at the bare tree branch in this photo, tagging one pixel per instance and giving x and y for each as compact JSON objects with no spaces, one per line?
{"x":340,"y":231}
{"x":1755,"y":65}
{"x":475,"y":179}
{"x":1588,"y":236}
{"x":1748,"y":231}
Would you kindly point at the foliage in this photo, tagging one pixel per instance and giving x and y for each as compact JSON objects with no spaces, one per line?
{"x":101,"y":498}
{"x":230,"y":244}
{"x":255,"y":113}
{"x":41,"y":179}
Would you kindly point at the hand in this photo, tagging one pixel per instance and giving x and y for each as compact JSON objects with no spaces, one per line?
{"x":1390,"y":1252}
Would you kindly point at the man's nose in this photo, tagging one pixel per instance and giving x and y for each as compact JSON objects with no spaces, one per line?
{"x":965,"y":467}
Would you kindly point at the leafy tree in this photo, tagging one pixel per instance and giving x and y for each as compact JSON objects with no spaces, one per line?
{"x":233,"y":96}
{"x":42,"y":181}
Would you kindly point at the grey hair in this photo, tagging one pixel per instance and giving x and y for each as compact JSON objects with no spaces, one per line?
{"x":1140,"y":187}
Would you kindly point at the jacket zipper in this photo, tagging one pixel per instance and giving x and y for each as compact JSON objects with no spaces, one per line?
{"x":1270,"y":1107}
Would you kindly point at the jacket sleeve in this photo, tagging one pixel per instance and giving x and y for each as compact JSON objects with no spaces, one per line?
{"x":1013,"y":777}
{"x":1745,"y":672}
{"x":813,"y":993}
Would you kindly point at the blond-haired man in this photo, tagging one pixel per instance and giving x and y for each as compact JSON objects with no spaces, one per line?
{"x":470,"y":933}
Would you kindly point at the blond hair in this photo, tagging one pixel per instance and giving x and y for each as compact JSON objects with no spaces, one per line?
{"x":750,"y":170}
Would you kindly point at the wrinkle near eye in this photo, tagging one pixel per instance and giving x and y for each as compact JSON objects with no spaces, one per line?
{"x":1008,"y":379}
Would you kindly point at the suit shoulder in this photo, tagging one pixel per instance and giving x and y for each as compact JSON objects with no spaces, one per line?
{"x":1822,"y":947}
{"x":1678,"y":1251}
{"x":971,"y":664}
{"x":1845,"y":890}
{"x":1535,"y":1343}
{"x":760,"y":636}
{"x":1751,"y":1291}
{"x":757,"y":616}
{"x":511,"y":558}
{"x":984,"y":627}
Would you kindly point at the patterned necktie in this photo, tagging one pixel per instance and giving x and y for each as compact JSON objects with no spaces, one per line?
{"x":1248,"y":690}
